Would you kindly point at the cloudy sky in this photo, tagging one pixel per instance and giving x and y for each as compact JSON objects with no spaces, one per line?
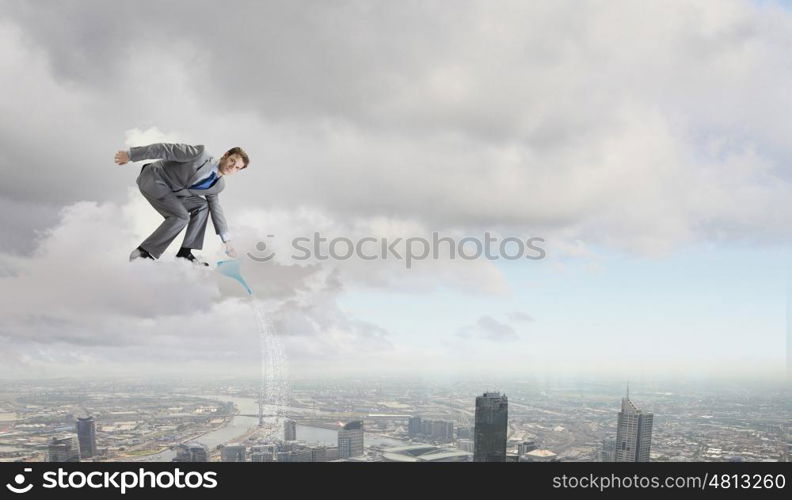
{"x":647,"y":143}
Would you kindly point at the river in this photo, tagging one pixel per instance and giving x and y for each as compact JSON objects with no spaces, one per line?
{"x":240,"y":424}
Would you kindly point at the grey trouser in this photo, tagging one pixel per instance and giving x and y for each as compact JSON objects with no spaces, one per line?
{"x":190,"y":211}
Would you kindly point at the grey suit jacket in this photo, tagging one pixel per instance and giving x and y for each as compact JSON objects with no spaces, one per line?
{"x":179,"y":167}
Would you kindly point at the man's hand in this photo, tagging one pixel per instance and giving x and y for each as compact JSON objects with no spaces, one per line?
{"x":230,"y":251}
{"x":122,"y":157}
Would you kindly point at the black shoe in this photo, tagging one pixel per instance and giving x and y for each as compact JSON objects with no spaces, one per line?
{"x":139,"y":253}
{"x":186,"y":253}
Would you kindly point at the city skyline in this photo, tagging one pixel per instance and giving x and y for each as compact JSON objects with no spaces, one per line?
{"x":544,"y":423}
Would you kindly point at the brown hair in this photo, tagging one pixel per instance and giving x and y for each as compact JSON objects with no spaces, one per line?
{"x":238,"y":151}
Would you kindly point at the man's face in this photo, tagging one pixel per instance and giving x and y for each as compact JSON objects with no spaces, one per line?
{"x":231,"y":164}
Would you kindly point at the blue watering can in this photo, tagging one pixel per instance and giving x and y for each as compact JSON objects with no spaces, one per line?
{"x":230,"y":268}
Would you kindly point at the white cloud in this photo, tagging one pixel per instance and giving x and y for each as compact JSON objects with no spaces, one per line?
{"x":78,"y":302}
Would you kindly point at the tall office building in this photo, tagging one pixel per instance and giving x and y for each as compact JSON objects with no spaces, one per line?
{"x":414,"y":426}
{"x":439,"y":430}
{"x":633,"y":433}
{"x":86,"y":435}
{"x":289,"y":430}
{"x":426,"y":427}
{"x":350,"y":440}
{"x":442,"y":430}
{"x":63,"y":449}
{"x":261,"y":408}
{"x":492,"y":419}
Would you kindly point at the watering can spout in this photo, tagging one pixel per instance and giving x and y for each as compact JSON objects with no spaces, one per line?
{"x":230,"y":268}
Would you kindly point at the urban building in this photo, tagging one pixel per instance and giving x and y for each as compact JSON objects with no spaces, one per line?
{"x":86,"y":436}
{"x":442,"y":431}
{"x":464,"y":433}
{"x":633,"y":433}
{"x":438,"y":430}
{"x":525,"y":447}
{"x":289,"y":430}
{"x":465,"y":444}
{"x":304,"y":455}
{"x":425,"y":453}
{"x":414,"y":426}
{"x":192,"y":452}
{"x":539,"y":456}
{"x":350,"y":440}
{"x":262,"y":457}
{"x":332,"y":454}
{"x":63,"y":449}
{"x":492,"y":418}
{"x":233,"y":453}
{"x":608,"y":451}
{"x":318,"y":453}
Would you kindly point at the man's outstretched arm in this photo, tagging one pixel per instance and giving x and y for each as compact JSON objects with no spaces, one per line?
{"x":219,"y":222}
{"x":160,"y":151}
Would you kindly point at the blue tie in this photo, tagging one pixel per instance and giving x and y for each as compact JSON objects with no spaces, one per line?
{"x":206,"y":183}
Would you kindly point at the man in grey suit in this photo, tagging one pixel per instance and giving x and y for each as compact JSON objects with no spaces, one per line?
{"x":183,"y":186}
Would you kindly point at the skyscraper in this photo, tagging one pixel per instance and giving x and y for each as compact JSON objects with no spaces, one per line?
{"x":414,"y":426}
{"x":492,"y":418}
{"x":86,"y":435}
{"x":261,"y":408}
{"x":289,"y":430}
{"x":64,"y":449}
{"x":350,"y":440}
{"x":442,"y":430}
{"x":633,"y":433}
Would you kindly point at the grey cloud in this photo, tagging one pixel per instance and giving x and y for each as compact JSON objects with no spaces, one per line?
{"x":25,"y":220}
{"x":285,"y":58}
{"x":594,"y":121}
